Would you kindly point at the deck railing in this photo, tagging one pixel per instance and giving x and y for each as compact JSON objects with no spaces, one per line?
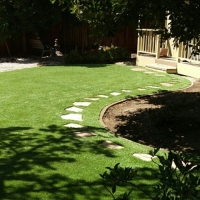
{"x":186,"y":52}
{"x":147,"y":41}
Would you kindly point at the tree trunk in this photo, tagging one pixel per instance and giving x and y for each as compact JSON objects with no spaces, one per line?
{"x":24,"y":44}
{"x":7,"y":47}
{"x":84,"y":39}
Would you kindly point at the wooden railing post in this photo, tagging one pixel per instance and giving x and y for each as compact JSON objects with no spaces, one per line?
{"x":179,"y":48}
{"x":157,"y":46}
{"x":138,"y":44}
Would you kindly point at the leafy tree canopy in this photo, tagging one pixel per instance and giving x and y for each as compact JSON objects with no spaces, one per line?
{"x":105,"y":16}
{"x":17,"y":16}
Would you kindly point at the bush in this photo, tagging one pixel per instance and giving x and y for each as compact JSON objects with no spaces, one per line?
{"x":118,"y":54}
{"x":104,"y":55}
{"x":178,"y":178}
{"x":74,"y":57}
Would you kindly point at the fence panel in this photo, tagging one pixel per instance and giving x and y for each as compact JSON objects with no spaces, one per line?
{"x":74,"y":37}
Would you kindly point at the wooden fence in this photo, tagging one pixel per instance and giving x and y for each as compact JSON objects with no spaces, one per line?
{"x":72,"y":37}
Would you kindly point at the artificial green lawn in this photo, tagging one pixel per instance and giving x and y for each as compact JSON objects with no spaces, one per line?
{"x":40,"y":158}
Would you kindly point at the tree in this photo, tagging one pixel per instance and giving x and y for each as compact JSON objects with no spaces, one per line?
{"x":105,"y":16}
{"x":18,"y":17}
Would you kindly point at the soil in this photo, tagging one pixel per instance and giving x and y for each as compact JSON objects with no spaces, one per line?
{"x":170,"y":121}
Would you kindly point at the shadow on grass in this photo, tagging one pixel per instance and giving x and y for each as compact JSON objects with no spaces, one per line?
{"x":144,"y":184}
{"x":34,"y":164}
{"x":88,"y":65}
{"x":170,"y":121}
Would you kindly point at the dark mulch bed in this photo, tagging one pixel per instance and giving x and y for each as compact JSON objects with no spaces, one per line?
{"x":169,"y":121}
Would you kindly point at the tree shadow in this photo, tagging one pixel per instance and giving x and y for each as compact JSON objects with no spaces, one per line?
{"x":89,"y":65}
{"x":143,"y":185}
{"x":170,"y":120}
{"x":147,"y":181}
{"x":30,"y":164}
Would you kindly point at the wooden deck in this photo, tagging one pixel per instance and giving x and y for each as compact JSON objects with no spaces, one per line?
{"x":169,"y":65}
{"x":177,"y":60}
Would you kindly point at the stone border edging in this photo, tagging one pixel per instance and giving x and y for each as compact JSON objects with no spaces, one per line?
{"x":103,"y":111}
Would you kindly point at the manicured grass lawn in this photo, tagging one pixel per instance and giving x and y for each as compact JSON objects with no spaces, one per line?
{"x":40,"y":158}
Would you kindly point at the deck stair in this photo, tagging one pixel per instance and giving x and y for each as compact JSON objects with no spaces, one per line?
{"x":166,"y":61}
{"x":168,"y":65}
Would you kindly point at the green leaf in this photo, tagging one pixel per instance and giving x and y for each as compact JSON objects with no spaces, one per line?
{"x":113,"y":189}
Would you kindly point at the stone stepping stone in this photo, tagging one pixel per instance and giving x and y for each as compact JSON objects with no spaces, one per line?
{"x":74,"y":109}
{"x":115,"y":93}
{"x":141,"y":89}
{"x":84,"y":134}
{"x":126,"y":90}
{"x":166,"y":84}
{"x":120,"y":63}
{"x":72,"y":125}
{"x":149,"y":72}
{"x":81,"y":103}
{"x":151,"y":86}
{"x":76,"y":117}
{"x":143,"y":156}
{"x":92,"y":99}
{"x":138,"y":69}
{"x":111,"y":145}
{"x":102,"y":96}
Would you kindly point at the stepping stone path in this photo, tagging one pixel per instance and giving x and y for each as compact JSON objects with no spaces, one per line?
{"x":151,"y":86}
{"x":149,"y":72}
{"x":166,"y":84}
{"x":111,"y":145}
{"x":72,"y":125}
{"x":126,"y":90}
{"x":145,"y":157}
{"x":102,"y":96}
{"x":74,"y":109}
{"x":84,"y":134}
{"x":92,"y":99}
{"x":81,"y":103}
{"x":115,"y":93}
{"x":76,"y":116}
{"x":141,"y":89}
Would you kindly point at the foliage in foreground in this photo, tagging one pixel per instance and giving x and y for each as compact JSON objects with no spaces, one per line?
{"x":24,"y":16}
{"x":178,"y":178}
{"x":102,"y":55}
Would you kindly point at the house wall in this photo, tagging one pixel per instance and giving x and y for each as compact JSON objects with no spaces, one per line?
{"x":188,"y":70}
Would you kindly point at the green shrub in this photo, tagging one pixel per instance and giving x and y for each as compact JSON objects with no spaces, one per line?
{"x":91,"y":56}
{"x":119,"y":54}
{"x":74,"y":57}
{"x":178,"y":178}
{"x":104,"y":55}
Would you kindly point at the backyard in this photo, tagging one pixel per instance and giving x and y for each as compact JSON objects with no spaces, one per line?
{"x":43,"y":159}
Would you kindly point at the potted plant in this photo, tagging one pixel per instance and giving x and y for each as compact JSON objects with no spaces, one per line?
{"x":163,"y":48}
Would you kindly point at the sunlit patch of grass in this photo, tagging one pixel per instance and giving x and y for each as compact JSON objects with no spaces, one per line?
{"x":40,"y":158}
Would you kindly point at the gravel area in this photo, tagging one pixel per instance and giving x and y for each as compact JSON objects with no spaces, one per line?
{"x":18,"y":63}
{"x":10,"y":64}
